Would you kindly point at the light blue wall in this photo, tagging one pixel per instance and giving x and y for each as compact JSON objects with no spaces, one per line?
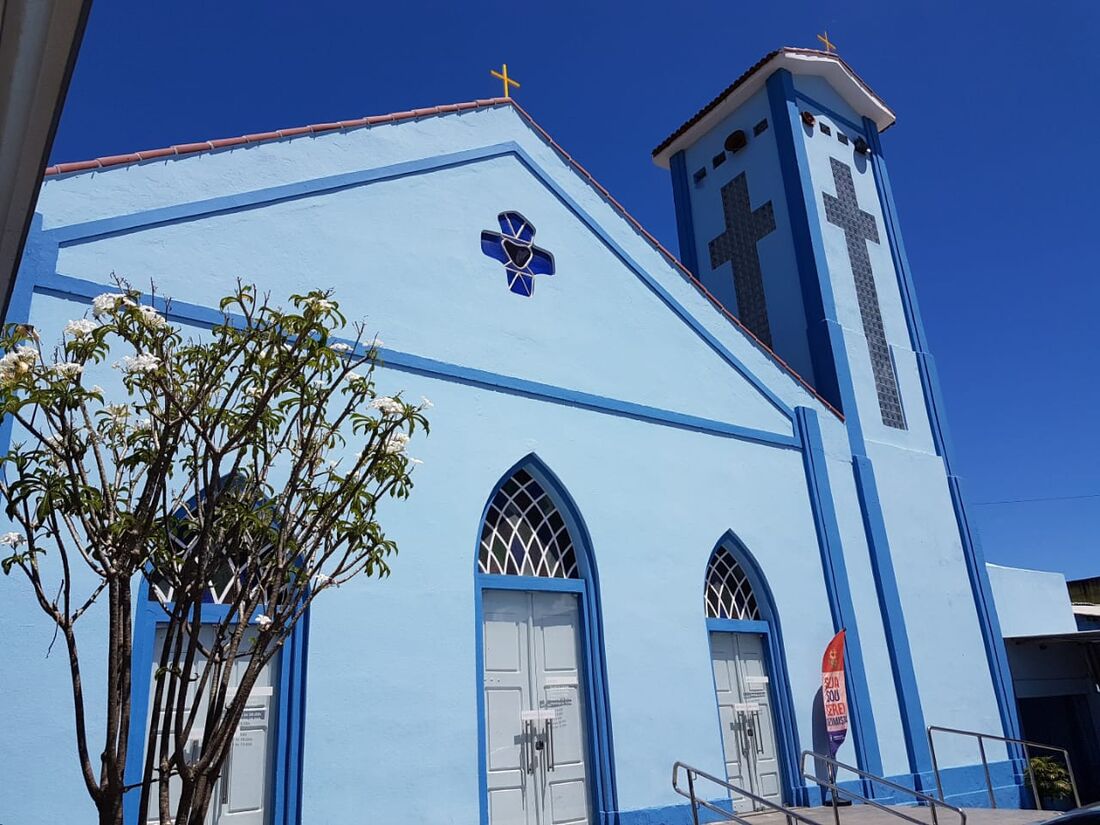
{"x":1031,"y":602}
{"x":383,"y":217}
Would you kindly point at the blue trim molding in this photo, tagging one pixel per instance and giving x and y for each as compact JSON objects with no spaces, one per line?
{"x":864,"y":733}
{"x":286,"y":793}
{"x":685,"y":222}
{"x":601,"y":756}
{"x":78,"y":289}
{"x":992,"y":637}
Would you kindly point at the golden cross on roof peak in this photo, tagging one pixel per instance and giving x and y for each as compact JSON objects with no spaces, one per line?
{"x":503,"y":76}
{"x":829,"y":46}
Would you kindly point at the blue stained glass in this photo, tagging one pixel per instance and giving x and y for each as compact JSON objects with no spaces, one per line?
{"x":513,"y":246}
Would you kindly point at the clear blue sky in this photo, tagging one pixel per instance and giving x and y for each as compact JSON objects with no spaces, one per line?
{"x":994,"y":162}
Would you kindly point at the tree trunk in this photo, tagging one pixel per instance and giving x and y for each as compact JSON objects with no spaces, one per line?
{"x":110,"y":812}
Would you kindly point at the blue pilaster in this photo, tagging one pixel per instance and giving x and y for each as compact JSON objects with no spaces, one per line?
{"x":992,"y":637}
{"x":685,"y":223}
{"x":864,"y":733}
{"x":826,"y":341}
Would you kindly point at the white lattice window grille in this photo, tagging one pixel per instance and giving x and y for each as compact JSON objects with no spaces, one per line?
{"x":224,"y":586}
{"x":524,"y":534}
{"x":728,"y":592}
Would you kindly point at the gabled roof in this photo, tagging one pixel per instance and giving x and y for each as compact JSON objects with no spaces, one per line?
{"x":186,"y":149}
{"x":829,"y":65}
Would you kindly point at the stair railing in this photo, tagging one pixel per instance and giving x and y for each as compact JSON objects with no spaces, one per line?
{"x":693,"y":775}
{"x":981,"y":737}
{"x":836,"y":789}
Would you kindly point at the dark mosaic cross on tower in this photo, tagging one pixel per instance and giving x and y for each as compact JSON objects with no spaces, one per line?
{"x":744,"y":227}
{"x":859,"y":227}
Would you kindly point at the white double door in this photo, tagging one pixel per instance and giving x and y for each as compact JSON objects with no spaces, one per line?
{"x":534,"y":709}
{"x":745,"y":710}
{"x":243,"y":793}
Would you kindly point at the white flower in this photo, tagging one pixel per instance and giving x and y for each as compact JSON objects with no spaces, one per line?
{"x":151,"y":318}
{"x":321,"y":579}
{"x":395,"y":444}
{"x":425,"y":402}
{"x":68,"y":369}
{"x":80,"y":327}
{"x":143,"y":424}
{"x":107,"y":303}
{"x":388,"y":406}
{"x":415,"y":461}
{"x":340,"y":346}
{"x":263,"y":621}
{"x":17,"y":363}
{"x":96,"y":390}
{"x":142,"y":362}
{"x":12,"y":539}
{"x":320,"y":304}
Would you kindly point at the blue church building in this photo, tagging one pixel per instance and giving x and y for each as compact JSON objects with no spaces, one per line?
{"x":654,"y":490}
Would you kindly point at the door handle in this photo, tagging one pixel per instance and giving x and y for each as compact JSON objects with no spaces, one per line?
{"x":529,"y":744}
{"x":550,"y":744}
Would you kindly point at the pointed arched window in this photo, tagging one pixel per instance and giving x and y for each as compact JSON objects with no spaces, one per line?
{"x":728,"y":591}
{"x":524,"y":534}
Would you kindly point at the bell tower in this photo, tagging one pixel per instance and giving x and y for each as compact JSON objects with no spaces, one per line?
{"x":782,"y":215}
{"x":785,"y":214}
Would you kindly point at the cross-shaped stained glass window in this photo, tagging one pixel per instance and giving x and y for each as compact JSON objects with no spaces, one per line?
{"x":514,"y":247}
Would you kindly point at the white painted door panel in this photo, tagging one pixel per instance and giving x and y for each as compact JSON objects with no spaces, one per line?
{"x":556,"y":622}
{"x":507,"y":617}
{"x":534,"y":706}
{"x":242,"y":795}
{"x":746,"y":717}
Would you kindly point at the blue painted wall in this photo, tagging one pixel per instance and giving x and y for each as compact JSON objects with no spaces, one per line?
{"x":665,"y":424}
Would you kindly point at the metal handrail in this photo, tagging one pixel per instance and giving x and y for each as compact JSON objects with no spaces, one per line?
{"x":832,"y":785}
{"x":694,"y":773}
{"x":985,"y":761}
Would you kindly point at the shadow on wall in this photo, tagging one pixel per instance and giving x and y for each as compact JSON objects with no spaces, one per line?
{"x":820,"y":743}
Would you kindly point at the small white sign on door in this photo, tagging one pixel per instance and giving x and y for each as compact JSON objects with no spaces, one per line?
{"x":746,"y":707}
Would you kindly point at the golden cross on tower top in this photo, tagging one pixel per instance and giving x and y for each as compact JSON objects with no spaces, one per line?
{"x":503,"y":75}
{"x":824,"y":38}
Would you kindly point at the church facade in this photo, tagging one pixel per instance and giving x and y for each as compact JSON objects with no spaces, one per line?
{"x":653,"y":492}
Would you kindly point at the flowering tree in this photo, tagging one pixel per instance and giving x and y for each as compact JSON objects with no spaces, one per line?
{"x":246,"y":466}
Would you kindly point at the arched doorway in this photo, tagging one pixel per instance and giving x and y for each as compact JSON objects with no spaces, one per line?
{"x":261,"y":781}
{"x":750,"y":681}
{"x":545,"y":749}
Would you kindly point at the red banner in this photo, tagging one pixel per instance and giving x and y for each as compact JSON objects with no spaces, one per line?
{"x":834,"y":693}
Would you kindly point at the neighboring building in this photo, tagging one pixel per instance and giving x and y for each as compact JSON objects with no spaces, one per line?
{"x":1085,"y":596}
{"x":596,"y":409}
{"x":1055,"y":665}
{"x":39,"y":40}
